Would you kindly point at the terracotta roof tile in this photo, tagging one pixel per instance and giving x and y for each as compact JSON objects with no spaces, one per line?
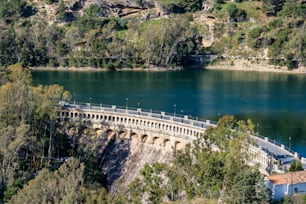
{"x":288,"y":178}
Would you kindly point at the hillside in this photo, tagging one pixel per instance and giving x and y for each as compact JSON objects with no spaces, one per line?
{"x":149,"y":33}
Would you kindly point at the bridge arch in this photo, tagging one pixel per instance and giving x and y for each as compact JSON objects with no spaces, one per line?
{"x":156,"y":140}
{"x":122,"y":134}
{"x":134,"y":137}
{"x":178,"y":145}
{"x":144,"y":138}
{"x":110,"y":134}
{"x":98,"y":131}
{"x":166,"y":142}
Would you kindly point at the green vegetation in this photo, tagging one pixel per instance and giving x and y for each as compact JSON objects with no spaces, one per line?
{"x":65,"y":185}
{"x":27,"y":127}
{"x":181,"y":6}
{"x":295,"y":199}
{"x":165,"y":35}
{"x":236,"y":14}
{"x":31,"y":139}
{"x":296,"y":166}
{"x":33,"y":144}
{"x":203,"y":173}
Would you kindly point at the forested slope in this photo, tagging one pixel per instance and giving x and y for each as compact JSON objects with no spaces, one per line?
{"x":145,"y":33}
{"x":44,"y":160}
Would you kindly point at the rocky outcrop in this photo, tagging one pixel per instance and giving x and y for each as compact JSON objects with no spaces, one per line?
{"x":115,"y":8}
{"x":120,"y":8}
{"x":209,"y":23}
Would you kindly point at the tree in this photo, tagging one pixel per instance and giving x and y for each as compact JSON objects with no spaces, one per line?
{"x":61,"y":10}
{"x":214,"y":167}
{"x":152,"y":182}
{"x":296,"y":166}
{"x":136,"y":191}
{"x":271,"y":7}
{"x":26,"y":112}
{"x":64,"y":185}
{"x":293,"y":10}
{"x":236,"y":14}
{"x":182,"y":6}
{"x":159,"y":42}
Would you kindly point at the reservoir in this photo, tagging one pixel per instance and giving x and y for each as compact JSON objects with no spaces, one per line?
{"x":276,"y":103}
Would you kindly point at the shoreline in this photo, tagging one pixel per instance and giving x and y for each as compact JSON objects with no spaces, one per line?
{"x":82,"y":69}
{"x":246,"y":65}
{"x":237,"y":65}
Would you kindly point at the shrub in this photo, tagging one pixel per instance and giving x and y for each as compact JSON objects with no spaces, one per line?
{"x":276,"y":23}
{"x":236,"y":14}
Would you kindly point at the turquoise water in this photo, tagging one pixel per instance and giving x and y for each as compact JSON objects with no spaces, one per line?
{"x":276,"y":103}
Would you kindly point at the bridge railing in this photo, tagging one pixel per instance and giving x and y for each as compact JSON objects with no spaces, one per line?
{"x":280,"y":145}
{"x":173,"y":117}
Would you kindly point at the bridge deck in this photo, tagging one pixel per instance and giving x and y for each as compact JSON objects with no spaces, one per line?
{"x":182,"y":119}
{"x":278,"y":151}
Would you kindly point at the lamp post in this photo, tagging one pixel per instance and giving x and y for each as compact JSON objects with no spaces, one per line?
{"x":258,"y":129}
{"x":289,"y":143}
{"x":74,"y":98}
{"x":174,"y":109}
{"x":90,"y":101}
{"x":127,"y":103}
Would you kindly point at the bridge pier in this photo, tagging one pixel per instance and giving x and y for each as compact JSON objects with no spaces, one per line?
{"x":128,"y":135}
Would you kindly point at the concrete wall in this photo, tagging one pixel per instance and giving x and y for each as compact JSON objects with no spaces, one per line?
{"x":281,"y":190}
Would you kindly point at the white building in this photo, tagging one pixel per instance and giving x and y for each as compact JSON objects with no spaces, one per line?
{"x":287,"y":184}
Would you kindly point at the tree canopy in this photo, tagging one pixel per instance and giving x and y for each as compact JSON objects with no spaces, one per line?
{"x":74,"y":35}
{"x":26,"y":113}
{"x":202,"y":172}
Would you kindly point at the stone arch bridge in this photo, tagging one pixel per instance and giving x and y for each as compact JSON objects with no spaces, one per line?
{"x":168,"y":131}
{"x":157,"y":128}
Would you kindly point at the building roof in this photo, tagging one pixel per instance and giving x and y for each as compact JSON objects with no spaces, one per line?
{"x":288,"y":178}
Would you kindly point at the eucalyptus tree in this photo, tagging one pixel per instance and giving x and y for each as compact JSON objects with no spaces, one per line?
{"x":27,"y":113}
{"x":160,"y":42}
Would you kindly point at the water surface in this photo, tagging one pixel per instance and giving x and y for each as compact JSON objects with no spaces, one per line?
{"x":275,"y":102}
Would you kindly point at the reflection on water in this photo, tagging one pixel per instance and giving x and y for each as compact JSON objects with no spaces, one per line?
{"x":275,"y":101}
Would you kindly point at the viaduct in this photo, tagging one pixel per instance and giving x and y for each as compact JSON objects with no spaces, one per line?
{"x":169,"y":131}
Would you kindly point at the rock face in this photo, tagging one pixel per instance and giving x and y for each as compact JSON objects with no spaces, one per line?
{"x":109,"y":8}
{"x":120,"y":8}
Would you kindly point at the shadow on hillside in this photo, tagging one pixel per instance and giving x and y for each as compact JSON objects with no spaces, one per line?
{"x":113,"y":159}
